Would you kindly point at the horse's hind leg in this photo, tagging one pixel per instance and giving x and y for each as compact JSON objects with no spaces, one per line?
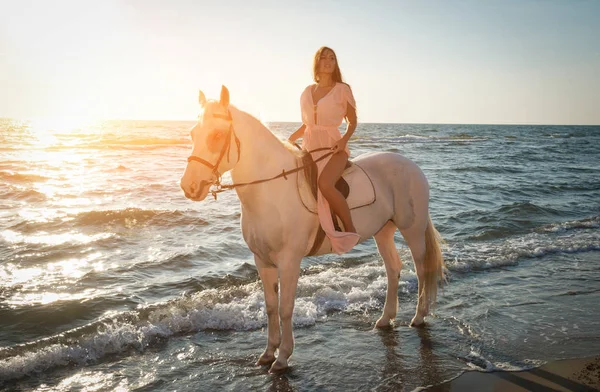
{"x":415,"y":239}
{"x":387,"y":249}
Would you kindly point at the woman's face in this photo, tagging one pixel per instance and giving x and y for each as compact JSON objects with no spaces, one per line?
{"x":327,"y":62}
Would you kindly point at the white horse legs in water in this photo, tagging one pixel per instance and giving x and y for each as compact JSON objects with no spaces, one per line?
{"x":280,"y":231}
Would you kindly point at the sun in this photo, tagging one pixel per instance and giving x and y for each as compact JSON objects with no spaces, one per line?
{"x":47,"y":132}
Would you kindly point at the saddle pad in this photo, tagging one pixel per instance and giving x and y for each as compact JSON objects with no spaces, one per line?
{"x":362,"y":192}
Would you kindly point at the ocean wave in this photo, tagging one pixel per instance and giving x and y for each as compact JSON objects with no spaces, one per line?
{"x":141,"y":147}
{"x":488,"y":169}
{"x":119,"y":168}
{"x":21,"y":177}
{"x":131,"y":217}
{"x":378,"y":142}
{"x":506,"y":220}
{"x":567,"y":135}
{"x":128,"y":218}
{"x":349,"y":287}
{"x":527,"y":209}
{"x":19,"y":193}
{"x":570,"y":187}
{"x":106,"y":144}
{"x":151,"y":141}
{"x":53,"y":240}
{"x":463,"y":136}
{"x":482,"y":256}
{"x":239,"y":307}
{"x":154,"y":264}
{"x":477,"y":361}
{"x":410,"y":138}
{"x":144,"y":143}
{"x":588,"y":223}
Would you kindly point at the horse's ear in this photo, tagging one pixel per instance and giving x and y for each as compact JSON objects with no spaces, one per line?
{"x":201,"y":98}
{"x":224,"y":97}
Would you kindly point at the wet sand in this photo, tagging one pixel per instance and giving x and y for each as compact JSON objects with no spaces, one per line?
{"x":563,"y":375}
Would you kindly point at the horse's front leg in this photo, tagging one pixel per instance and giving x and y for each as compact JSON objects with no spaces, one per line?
{"x":268,"y":276}
{"x":288,"y":279}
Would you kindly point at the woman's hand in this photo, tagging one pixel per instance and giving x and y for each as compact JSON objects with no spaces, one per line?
{"x":297,"y":134}
{"x":293,"y":142}
{"x":340,"y":145}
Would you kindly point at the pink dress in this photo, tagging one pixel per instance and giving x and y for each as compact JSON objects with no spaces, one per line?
{"x":322,"y":120}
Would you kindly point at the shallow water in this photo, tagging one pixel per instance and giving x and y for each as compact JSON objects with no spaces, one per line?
{"x":112,"y":280}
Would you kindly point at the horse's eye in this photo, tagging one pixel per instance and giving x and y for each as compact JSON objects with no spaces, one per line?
{"x":214,"y":140}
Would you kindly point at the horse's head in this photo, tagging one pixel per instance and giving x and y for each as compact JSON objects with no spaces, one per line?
{"x":215,"y":147}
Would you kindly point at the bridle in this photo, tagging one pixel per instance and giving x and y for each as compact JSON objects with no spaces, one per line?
{"x":226,"y":149}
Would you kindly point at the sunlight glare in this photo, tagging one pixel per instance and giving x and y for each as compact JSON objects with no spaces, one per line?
{"x":12,"y":275}
{"x":53,"y":239}
{"x":43,"y":127}
{"x":37,"y":215}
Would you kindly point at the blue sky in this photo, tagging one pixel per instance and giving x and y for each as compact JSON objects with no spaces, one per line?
{"x":527,"y":61}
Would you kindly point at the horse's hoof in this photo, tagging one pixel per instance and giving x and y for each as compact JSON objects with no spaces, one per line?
{"x":265,"y":360}
{"x":417,"y":322}
{"x":278,"y":367}
{"x":383,"y":323}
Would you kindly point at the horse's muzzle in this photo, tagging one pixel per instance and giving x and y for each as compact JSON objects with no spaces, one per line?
{"x":196,"y":192}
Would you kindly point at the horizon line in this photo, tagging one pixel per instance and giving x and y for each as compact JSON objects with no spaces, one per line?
{"x":298,"y":122}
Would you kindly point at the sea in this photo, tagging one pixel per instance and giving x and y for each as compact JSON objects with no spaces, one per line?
{"x":111,"y":280}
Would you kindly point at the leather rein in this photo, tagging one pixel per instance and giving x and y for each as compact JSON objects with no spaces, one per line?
{"x":219,"y":187}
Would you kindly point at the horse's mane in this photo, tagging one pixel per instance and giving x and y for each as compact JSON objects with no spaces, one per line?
{"x":269,"y":134}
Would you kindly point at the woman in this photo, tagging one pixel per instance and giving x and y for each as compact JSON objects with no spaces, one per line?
{"x":324,"y":106}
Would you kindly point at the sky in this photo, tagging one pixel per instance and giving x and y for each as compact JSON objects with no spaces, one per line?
{"x":444,"y":61}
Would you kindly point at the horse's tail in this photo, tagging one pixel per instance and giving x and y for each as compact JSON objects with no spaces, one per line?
{"x":434,"y":263}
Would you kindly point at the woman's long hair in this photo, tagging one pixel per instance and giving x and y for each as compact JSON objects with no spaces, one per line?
{"x":337,"y":74}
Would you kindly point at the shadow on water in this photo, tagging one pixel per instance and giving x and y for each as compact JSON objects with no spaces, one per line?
{"x":280,"y":383}
{"x":393,"y":373}
{"x":429,"y":361}
{"x":401,"y":371}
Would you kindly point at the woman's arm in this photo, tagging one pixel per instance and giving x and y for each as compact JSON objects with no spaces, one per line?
{"x":351,"y":122}
{"x":298,"y":134}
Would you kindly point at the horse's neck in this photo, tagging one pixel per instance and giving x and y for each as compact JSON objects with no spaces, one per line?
{"x":262,"y":154}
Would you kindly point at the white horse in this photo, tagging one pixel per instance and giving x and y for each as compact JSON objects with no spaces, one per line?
{"x":280,"y":231}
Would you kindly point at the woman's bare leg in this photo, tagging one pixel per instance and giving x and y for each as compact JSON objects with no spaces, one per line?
{"x":330,"y":175}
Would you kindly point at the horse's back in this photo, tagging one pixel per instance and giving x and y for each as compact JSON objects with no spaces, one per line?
{"x":382,"y":156}
{"x":388,"y":164}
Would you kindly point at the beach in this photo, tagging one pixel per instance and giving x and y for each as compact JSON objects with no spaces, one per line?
{"x":567,"y":375}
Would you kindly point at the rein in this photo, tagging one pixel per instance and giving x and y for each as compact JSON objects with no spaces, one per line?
{"x":284,"y":173}
{"x":227,"y":147}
